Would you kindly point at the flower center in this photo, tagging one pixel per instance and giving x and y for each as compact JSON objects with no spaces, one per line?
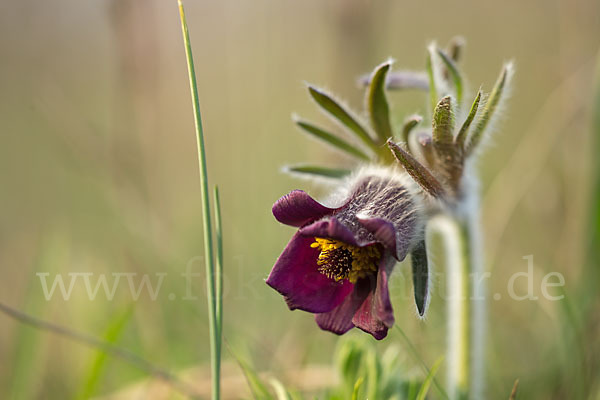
{"x":338,"y":260}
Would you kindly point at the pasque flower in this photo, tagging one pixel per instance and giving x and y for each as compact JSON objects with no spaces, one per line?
{"x":338,"y":263}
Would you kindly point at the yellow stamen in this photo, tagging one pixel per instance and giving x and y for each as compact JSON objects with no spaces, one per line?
{"x":338,"y":260}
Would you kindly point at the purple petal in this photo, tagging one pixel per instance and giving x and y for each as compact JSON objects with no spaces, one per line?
{"x":333,"y":229}
{"x":296,"y":277}
{"x":383,"y":231}
{"x":396,"y":239}
{"x":339,"y":320}
{"x":297,"y":208}
{"x":375,"y":315}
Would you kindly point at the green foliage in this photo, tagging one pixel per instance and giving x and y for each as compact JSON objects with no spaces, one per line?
{"x":335,"y":109}
{"x":364,"y":373}
{"x":379,"y":110}
{"x":332,"y":140}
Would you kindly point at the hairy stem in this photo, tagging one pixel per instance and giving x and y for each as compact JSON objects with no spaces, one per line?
{"x":466,"y":304}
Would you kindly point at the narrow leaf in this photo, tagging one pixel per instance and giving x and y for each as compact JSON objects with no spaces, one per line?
{"x":218,"y":271}
{"x":433,"y":96}
{"x":401,"y":80}
{"x":357,"y":386}
{"x":490,"y":107}
{"x":409,"y":124}
{"x":427,"y":383}
{"x":443,"y":125}
{"x":206,"y":216}
{"x":317,"y":171}
{"x":420,"y":272}
{"x":379,"y":110}
{"x":332,"y":140}
{"x":464,"y":129}
{"x":417,"y":171}
{"x":335,"y":109}
{"x":454,"y":74}
{"x":257,"y":387}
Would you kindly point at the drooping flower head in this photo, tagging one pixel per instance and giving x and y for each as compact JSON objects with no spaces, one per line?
{"x":338,"y":263}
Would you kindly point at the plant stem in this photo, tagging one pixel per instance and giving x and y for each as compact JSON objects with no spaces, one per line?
{"x":466,"y":304}
{"x":208,"y":243}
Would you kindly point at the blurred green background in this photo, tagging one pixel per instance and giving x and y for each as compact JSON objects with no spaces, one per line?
{"x":98,"y":173}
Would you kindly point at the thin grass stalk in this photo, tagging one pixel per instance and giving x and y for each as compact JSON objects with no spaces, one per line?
{"x":208,"y":242}
{"x":219,"y":270}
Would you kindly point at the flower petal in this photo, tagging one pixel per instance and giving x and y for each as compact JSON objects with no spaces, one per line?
{"x":396,"y":239}
{"x":375,"y":315}
{"x":296,"y":277}
{"x":333,"y":229}
{"x":339,"y":320}
{"x":297,"y":208}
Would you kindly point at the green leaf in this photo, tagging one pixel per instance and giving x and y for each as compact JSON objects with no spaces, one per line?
{"x":417,"y":171}
{"x":335,"y":109}
{"x":326,"y":172}
{"x":379,"y":111}
{"x":427,"y":383}
{"x":443,"y":124}
{"x":420,"y":272}
{"x":409,"y":124}
{"x":332,"y":140}
{"x":464,"y":129}
{"x":433,"y":96}
{"x":490,"y":107}
{"x":454,"y":73}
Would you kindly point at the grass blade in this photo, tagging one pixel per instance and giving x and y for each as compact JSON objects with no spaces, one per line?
{"x":208,"y":244}
{"x":98,"y":365}
{"x":101,"y":345}
{"x":332,"y":140}
{"x":416,"y":355}
{"x":377,"y":103}
{"x":317,"y":171}
{"x":454,"y":74}
{"x":464,"y":129}
{"x":357,"y":386}
{"x":427,"y":383}
{"x":257,"y":387}
{"x":335,"y":109}
{"x":219,"y":272}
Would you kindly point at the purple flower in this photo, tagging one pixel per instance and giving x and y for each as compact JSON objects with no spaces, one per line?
{"x":338,"y":263}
